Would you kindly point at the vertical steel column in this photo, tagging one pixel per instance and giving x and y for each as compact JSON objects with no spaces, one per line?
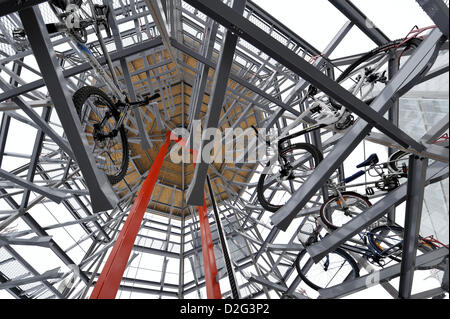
{"x":145,"y":141}
{"x":182,"y":250}
{"x":196,"y":191}
{"x":224,"y":244}
{"x":209,"y":259}
{"x":414,"y":203}
{"x":444,"y":284}
{"x":4,"y":128}
{"x":157,"y":12}
{"x":202,"y":80}
{"x":109,"y":281}
{"x":393,"y":114}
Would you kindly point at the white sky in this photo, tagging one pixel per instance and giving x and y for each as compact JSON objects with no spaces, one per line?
{"x":317,"y":22}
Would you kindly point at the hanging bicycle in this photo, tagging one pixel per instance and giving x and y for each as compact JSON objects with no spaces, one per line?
{"x":345,"y":205}
{"x":102,"y":117}
{"x":380,"y":246}
{"x":295,"y":162}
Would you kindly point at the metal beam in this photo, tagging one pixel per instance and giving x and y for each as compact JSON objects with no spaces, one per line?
{"x":234,"y":77}
{"x":196,"y":192}
{"x":10,"y":6}
{"x":321,"y":59}
{"x":102,"y":194}
{"x":37,"y":149}
{"x":160,"y":20}
{"x":51,"y":274}
{"x":384,"y":275}
{"x":145,"y":141}
{"x":261,"y":40}
{"x":438,"y":11}
{"x":115,"y":56}
{"x":53,"y":194}
{"x":356,"y":134}
{"x":199,"y":87}
{"x":33,"y":241}
{"x":224,"y":244}
{"x":436,"y":172}
{"x":292,"y":36}
{"x":157,"y":252}
{"x":433,"y":151}
{"x":112,"y":273}
{"x":302,"y":84}
{"x":436,"y":131}
{"x":277,"y":287}
{"x":209,"y":260}
{"x":38,"y":121}
{"x":414,"y":202}
{"x":31,"y":222}
{"x":361,"y":20}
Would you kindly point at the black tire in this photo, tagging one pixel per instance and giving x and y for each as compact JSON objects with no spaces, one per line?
{"x":338,"y":253}
{"x":394,"y":249}
{"x":379,"y":241}
{"x":308,"y":148}
{"x":122,"y":149}
{"x":364,"y":61}
{"x":397,"y":161}
{"x":326,"y":211}
{"x":413,"y":43}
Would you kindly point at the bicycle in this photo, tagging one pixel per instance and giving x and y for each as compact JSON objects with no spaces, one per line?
{"x":293,"y":163}
{"x":377,"y":245}
{"x":102,"y":117}
{"x":344,"y":205}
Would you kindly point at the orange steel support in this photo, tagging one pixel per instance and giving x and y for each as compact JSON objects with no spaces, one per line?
{"x":109,"y":281}
{"x":209,"y":259}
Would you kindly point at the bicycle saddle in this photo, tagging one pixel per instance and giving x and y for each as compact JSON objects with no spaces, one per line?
{"x":373,"y":159}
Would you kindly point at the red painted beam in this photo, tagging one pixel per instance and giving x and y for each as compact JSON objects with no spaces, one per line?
{"x":109,"y":281}
{"x":209,"y":259}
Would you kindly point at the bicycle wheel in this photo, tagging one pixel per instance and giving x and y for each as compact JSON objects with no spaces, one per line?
{"x":338,"y":211}
{"x":398,"y":163}
{"x":374,"y":67}
{"x":387,"y":241}
{"x":98,"y":117}
{"x":333,"y":269}
{"x":275,"y":188}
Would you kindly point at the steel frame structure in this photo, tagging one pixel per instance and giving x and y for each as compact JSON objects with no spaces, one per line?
{"x":229,"y":64}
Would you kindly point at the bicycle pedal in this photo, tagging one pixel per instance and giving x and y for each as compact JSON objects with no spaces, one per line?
{"x":370,"y":191}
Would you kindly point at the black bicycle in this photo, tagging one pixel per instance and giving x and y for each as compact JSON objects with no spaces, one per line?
{"x":102,"y":117}
{"x":292,"y":164}
{"x":380,"y":246}
{"x":345,"y":205}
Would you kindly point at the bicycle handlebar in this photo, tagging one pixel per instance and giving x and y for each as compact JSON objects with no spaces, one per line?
{"x":148,"y":99}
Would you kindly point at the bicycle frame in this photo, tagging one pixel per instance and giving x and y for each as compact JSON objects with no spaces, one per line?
{"x":378,"y":168}
{"x":110,"y":81}
{"x":88,"y":55}
{"x":330,"y":117}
